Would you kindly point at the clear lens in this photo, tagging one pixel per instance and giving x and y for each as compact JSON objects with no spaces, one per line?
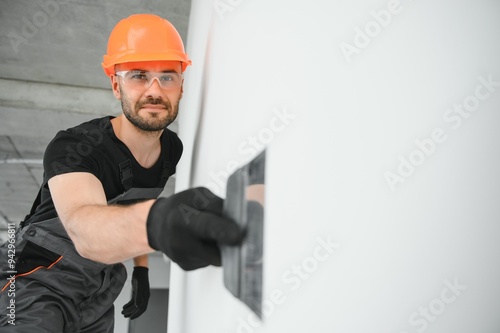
{"x":136,"y":79}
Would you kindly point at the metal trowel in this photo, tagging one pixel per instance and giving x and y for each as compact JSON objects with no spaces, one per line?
{"x":242,"y":265}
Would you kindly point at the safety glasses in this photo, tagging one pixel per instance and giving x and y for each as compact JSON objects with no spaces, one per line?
{"x":141,"y":80}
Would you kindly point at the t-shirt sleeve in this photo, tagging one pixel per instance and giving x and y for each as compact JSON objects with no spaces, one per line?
{"x":70,"y":152}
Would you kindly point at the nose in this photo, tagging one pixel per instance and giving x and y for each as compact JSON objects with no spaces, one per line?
{"x":154,"y":89}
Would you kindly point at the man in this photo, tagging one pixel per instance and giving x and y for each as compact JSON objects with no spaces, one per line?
{"x":97,"y":206}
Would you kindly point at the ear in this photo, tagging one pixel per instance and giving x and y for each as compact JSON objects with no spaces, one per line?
{"x":115,"y":86}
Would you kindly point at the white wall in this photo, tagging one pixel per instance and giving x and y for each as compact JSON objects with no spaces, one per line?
{"x":419,"y":255}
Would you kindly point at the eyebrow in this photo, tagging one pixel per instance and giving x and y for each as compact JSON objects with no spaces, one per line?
{"x":164,"y":71}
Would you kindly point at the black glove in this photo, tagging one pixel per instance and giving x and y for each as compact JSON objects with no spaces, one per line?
{"x":188,"y":226}
{"x":140,"y":294}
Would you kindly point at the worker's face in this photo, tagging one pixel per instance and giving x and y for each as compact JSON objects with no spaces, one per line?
{"x":148,"y":107}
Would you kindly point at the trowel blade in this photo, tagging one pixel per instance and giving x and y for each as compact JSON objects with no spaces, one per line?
{"x":243,"y":264}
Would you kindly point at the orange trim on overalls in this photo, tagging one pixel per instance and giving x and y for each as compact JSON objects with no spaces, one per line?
{"x":30,"y":272}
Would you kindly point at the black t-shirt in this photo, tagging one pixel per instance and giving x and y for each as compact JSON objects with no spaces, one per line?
{"x":78,"y":150}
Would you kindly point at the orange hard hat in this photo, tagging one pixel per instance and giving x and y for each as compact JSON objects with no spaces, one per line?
{"x":144,"y":37}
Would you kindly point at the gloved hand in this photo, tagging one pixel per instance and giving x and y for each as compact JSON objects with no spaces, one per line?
{"x":188,"y":226}
{"x":140,"y":294}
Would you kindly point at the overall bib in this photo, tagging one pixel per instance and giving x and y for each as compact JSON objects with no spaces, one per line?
{"x":56,"y":290}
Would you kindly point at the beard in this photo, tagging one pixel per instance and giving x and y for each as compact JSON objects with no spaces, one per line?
{"x":157,"y":121}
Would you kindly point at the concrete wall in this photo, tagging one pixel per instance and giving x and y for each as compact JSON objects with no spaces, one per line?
{"x":381,"y":121}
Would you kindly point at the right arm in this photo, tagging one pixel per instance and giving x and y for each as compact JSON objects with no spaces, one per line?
{"x":187,"y":226}
{"x":107,"y":234}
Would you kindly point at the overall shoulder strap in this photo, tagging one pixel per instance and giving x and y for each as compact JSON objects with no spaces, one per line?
{"x":165,"y":172}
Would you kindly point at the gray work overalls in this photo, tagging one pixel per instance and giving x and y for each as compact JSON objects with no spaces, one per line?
{"x":72,"y":294}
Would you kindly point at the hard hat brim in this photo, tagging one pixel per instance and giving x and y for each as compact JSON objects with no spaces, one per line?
{"x":109,"y":63}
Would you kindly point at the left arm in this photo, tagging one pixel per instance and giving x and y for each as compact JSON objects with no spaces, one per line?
{"x":140,"y":289}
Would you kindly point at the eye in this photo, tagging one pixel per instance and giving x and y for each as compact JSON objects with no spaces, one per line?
{"x":168,"y":77}
{"x":137,"y":75}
